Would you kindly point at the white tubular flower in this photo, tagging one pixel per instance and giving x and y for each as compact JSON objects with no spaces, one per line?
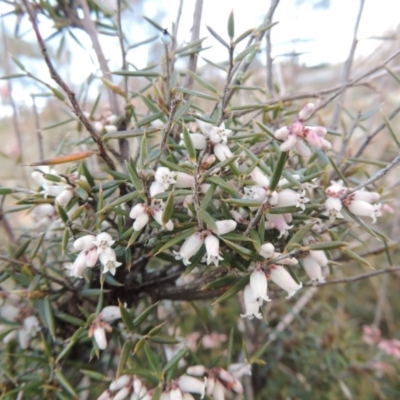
{"x":189,"y":248}
{"x":320,"y":257}
{"x":282,"y":133}
{"x":193,"y":385}
{"x":103,"y":242}
{"x":238,"y":370}
{"x":259,"y":177}
{"x":302,"y":149}
{"x":218,"y":392}
{"x":222,"y":152}
{"x":237,"y":216}
{"x":278,"y":222}
{"x":313,"y":269}
{"x":110,"y":313}
{"x":219,"y":134}
{"x":267,"y":250}
{"x":199,"y":141}
{"x":156,"y":188}
{"x":85,"y":242}
{"x":336,"y":189}
{"x":365,"y":209}
{"x":251,"y":304}
{"x":333,"y":207}
{"x":282,"y":278}
{"x":197,"y":370}
{"x":288,"y":143}
{"x":137,"y":210}
{"x":302,"y":200}
{"x":184,"y":181}
{"x":109,"y":261}
{"x":363,"y":195}
{"x":91,"y":257}
{"x":158,"y":215}
{"x":122,"y":394}
{"x":175,"y":394}
{"x":165,"y":176}
{"x":258,"y":284}
{"x":77,"y":269}
{"x":141,"y":222}
{"x":30,"y":327}
{"x":287,"y":198}
{"x":65,"y":196}
{"x":212,"y":247}
{"x":100,"y":337}
{"x":119,"y":383}
{"x":306,"y":112}
{"x":225,"y":226}
{"x":139,"y":213}
{"x":106,"y":395}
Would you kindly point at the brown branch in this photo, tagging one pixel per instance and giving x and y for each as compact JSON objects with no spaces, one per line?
{"x":347,"y":67}
{"x":71,"y":95}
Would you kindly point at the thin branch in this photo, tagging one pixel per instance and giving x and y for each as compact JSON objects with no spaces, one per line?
{"x":122,"y":45}
{"x":167,"y":77}
{"x":176,"y":26}
{"x":377,"y":176}
{"x":192,"y":62}
{"x":71,"y":95}
{"x":347,"y":67}
{"x":346,"y":140}
{"x":268,"y":48}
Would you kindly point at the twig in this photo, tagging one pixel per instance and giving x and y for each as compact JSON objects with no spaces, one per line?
{"x":176,"y":26}
{"x":38,"y":127}
{"x":71,"y":95}
{"x":168,"y":128}
{"x":122,"y":45}
{"x":192,"y":62}
{"x":268,"y":47}
{"x":357,"y":277}
{"x":377,"y":176}
{"x":167,"y":77}
{"x":265,"y":204}
{"x":352,"y":128}
{"x":347,"y":67}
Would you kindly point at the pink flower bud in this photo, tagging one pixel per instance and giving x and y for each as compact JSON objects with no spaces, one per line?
{"x":212,"y":247}
{"x":237,"y":216}
{"x":306,"y":112}
{"x":258,"y":284}
{"x":282,"y":278}
{"x":84,"y":243}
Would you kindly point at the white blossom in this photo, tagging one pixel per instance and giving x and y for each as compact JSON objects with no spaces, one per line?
{"x":109,"y":260}
{"x":278,"y":222}
{"x":251,"y":304}
{"x":103,"y":242}
{"x":282,"y":278}
{"x":225,"y":226}
{"x":190,"y":247}
{"x":158,"y":216}
{"x":212,"y":247}
{"x":85,"y":242}
{"x":364,"y":209}
{"x":258,"y":284}
{"x":333,"y":207}
{"x":164,"y":176}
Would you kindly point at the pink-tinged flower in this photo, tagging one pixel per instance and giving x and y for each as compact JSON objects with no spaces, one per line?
{"x":336,"y":189}
{"x":363,"y":195}
{"x":315,"y":140}
{"x":85,"y":242}
{"x":282,"y":133}
{"x":91,"y":257}
{"x":164,"y":176}
{"x":222,"y":152}
{"x":282,"y":278}
{"x":251,"y":304}
{"x":364,"y":209}
{"x":109,"y":261}
{"x":306,"y":112}
{"x":189,"y":248}
{"x":237,"y":217}
{"x":193,"y":385}
{"x":391,"y":347}
{"x":122,"y":394}
{"x":278,"y":222}
{"x":197,"y":370}
{"x":218,"y":391}
{"x":260,"y":178}
{"x":103,"y":242}
{"x":258,"y":284}
{"x":212,"y":247}
{"x":77,"y":269}
{"x":158,"y":215}
{"x":140,"y":213}
{"x":290,"y":198}
{"x":184,"y":180}
{"x":225,"y":226}
{"x":333,"y":207}
{"x":255,"y":193}
{"x":106,"y":395}
{"x":371,"y":335}
{"x":313,"y":269}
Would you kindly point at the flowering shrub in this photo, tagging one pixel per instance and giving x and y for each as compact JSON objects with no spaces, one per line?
{"x":207,"y":208}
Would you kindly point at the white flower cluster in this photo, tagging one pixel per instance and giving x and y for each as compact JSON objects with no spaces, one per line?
{"x":358,"y":202}
{"x":297,"y":135}
{"x":194,"y":242}
{"x":23,"y":325}
{"x":91,"y":249}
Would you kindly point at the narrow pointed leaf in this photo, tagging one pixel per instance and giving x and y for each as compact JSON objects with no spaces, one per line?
{"x":231,"y":26}
{"x":65,"y":159}
{"x":218,"y":37}
{"x":169,"y":208}
{"x":236,"y":288}
{"x":191,"y":152}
